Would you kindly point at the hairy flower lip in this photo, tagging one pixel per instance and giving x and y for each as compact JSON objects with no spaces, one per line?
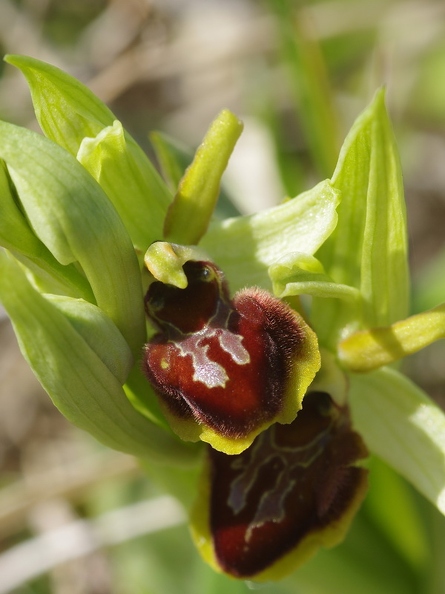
{"x":225,"y":369}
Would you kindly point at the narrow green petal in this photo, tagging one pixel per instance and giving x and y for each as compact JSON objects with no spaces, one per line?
{"x":78,"y":381}
{"x":189,"y":214}
{"x":298,"y":274}
{"x":245,"y":247}
{"x":109,"y":160}
{"x":72,"y":216}
{"x":370,"y":349}
{"x":402,"y":426}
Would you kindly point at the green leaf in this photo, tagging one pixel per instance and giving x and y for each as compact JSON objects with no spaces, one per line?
{"x":72,"y":216}
{"x":98,"y":331}
{"x":74,"y":375}
{"x":189,"y":214}
{"x":310,"y":85}
{"x":401,"y":425}
{"x":110,"y":161}
{"x":68,"y":112}
{"x":245,"y":247}
{"x":16,"y":235}
{"x":368,"y":249}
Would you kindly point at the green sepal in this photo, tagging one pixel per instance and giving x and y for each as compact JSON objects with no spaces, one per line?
{"x":245,"y":247}
{"x":75,"y":376}
{"x":368,"y":249}
{"x":298,"y":274}
{"x":191,"y":210}
{"x":69,"y":212}
{"x":404,"y":427}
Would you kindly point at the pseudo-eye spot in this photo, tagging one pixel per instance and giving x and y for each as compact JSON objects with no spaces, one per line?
{"x":226,"y":369}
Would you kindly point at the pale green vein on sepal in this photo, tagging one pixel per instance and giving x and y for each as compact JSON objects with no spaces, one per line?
{"x":109,"y":160}
{"x":190,"y":212}
{"x":78,"y":381}
{"x":245,"y":247}
{"x":73,"y":217}
{"x":299,"y":274}
{"x":401,"y":425}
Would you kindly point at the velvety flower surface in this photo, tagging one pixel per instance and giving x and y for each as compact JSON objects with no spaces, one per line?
{"x":226,"y":369}
{"x":295,"y":489}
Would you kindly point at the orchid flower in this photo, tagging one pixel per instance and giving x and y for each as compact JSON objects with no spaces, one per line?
{"x":271,"y":340}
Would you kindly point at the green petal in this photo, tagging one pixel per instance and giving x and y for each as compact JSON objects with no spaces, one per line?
{"x":78,"y":380}
{"x":72,"y":216}
{"x":402,"y":426}
{"x":109,"y":160}
{"x":368,"y":249}
{"x":190,"y":212}
{"x":370,"y":349}
{"x":245,"y":247}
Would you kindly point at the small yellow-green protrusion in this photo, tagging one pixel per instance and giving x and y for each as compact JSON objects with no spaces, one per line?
{"x":189,"y":214}
{"x":369,"y":349}
{"x":165,"y":261}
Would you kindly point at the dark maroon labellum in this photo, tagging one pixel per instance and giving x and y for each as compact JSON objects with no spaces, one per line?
{"x":294,"y":481}
{"x":221,"y":363}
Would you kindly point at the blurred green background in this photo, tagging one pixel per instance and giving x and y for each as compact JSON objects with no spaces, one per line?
{"x":297,"y":73}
